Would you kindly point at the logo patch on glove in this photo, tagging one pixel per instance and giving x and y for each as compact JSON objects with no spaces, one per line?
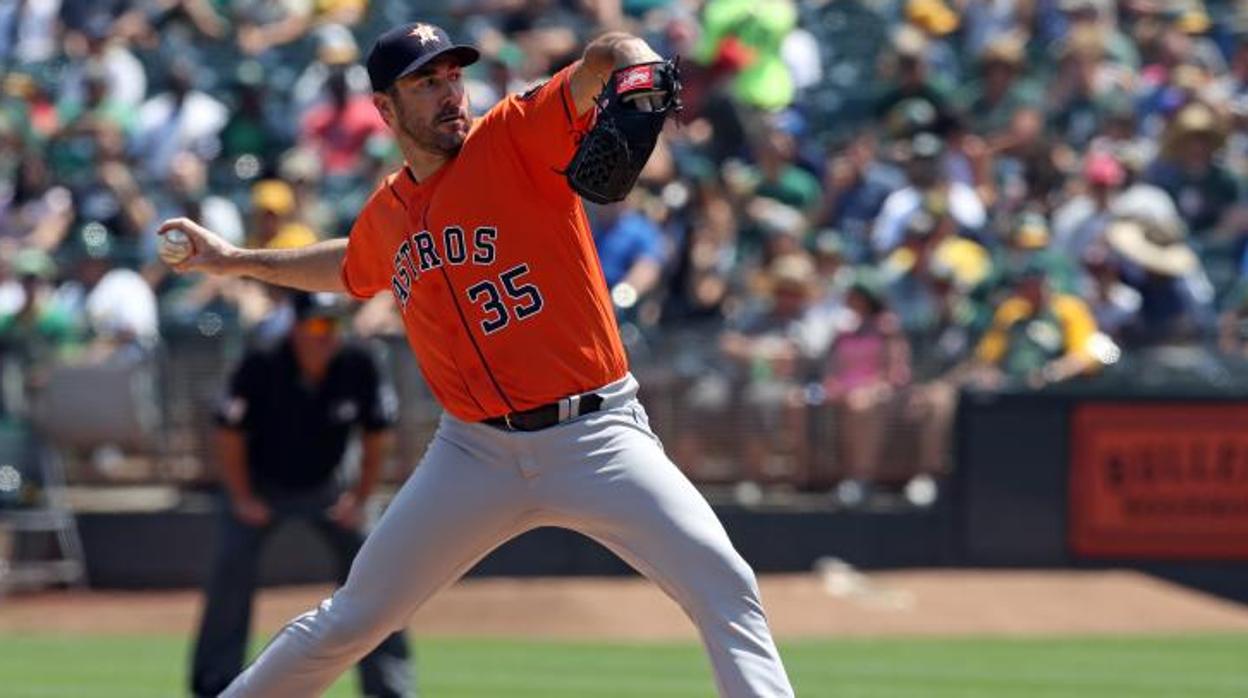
{"x":638,"y":77}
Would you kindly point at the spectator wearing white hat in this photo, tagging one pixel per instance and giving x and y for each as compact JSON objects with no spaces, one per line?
{"x":1176,"y":298}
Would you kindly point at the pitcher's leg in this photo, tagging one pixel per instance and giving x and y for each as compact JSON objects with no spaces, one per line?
{"x":631,"y":498}
{"x":454,"y":509}
{"x":385,"y":672}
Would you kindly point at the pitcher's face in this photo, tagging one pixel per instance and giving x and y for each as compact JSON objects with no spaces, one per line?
{"x":429,"y":107}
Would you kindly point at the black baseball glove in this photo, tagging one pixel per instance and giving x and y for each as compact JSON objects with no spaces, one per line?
{"x":631,"y":110}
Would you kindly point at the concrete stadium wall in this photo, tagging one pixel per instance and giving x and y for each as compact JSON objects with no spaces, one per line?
{"x":174,"y":548}
{"x":1014,"y":486}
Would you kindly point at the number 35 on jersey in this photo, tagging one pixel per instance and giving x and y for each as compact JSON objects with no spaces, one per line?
{"x":501,"y":300}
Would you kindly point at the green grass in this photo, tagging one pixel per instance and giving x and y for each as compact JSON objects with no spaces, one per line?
{"x":1212,"y":666}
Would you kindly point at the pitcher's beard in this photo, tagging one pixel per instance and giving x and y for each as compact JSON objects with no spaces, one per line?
{"x":446,"y":144}
{"x":430,"y":139}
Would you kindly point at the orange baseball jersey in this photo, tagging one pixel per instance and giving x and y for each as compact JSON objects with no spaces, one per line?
{"x":492,"y":263}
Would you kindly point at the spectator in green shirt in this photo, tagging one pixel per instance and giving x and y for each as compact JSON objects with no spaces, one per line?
{"x":1030,"y":242}
{"x":780,"y":177}
{"x":991,"y":102}
{"x":36,"y":336}
{"x":72,"y":149}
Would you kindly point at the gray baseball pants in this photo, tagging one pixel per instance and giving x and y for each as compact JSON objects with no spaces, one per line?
{"x":604,"y":475}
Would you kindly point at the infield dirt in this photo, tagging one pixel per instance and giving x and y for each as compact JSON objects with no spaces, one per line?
{"x":838,"y":602}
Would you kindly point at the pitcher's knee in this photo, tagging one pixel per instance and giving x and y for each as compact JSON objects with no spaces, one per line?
{"x":727,"y":589}
{"x":737,"y":572}
{"x":339,"y":627}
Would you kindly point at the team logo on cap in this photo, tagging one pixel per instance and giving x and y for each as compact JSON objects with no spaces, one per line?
{"x":424,"y":33}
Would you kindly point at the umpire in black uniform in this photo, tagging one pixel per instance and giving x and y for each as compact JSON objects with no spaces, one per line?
{"x":283,"y":429}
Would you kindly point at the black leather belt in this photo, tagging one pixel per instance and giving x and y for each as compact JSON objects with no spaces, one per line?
{"x":547,"y":415}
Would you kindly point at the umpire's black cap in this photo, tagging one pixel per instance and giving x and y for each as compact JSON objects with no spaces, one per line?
{"x":406,"y":48}
{"x":309,"y":305}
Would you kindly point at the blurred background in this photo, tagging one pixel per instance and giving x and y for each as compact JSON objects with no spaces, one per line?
{"x":890,"y":265}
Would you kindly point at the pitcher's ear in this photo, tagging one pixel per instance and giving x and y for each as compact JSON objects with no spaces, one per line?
{"x":384,"y":102}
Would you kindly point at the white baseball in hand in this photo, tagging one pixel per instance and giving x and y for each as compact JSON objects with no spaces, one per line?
{"x":175,"y":247}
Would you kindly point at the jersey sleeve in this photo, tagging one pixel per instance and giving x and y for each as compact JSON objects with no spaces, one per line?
{"x":995,"y":342}
{"x":362,"y":273}
{"x":543,"y":123}
{"x":236,"y":410}
{"x":1079,"y":324}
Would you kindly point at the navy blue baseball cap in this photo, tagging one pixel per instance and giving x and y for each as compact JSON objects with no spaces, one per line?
{"x":405,"y":49}
{"x":309,"y":305}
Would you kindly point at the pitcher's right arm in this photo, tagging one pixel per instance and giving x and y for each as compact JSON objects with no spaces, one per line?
{"x":316,"y":267}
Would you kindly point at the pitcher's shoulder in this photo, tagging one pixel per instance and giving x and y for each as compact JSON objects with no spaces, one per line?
{"x":387,"y":205}
{"x":391,"y":191}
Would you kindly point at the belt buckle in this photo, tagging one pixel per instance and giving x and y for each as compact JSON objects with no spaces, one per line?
{"x":507,"y":421}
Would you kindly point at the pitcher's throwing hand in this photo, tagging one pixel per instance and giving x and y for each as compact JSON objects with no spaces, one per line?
{"x":487,"y":251}
{"x":188,"y":246}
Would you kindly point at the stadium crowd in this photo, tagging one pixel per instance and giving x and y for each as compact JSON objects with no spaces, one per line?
{"x":866,"y":205}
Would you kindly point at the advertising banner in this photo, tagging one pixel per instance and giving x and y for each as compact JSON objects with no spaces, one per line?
{"x":1159,"y":481}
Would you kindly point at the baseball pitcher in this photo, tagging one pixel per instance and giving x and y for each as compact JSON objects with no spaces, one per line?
{"x":482,"y":239}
